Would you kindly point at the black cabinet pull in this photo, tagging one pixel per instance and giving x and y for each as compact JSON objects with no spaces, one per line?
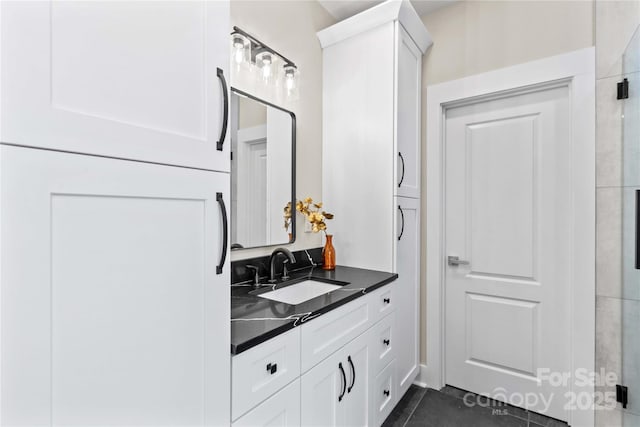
{"x":387,"y":342}
{"x":637,"y":229}
{"x":387,"y":300}
{"x":402,"y":229}
{"x":272,"y":368}
{"x":353,"y":374}
{"x":225,"y":117}
{"x":344,"y":382}
{"x":225,"y":236}
{"x":386,"y":392}
{"x":402,"y":176}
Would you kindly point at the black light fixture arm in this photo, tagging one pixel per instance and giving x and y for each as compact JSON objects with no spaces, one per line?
{"x":258,"y":47}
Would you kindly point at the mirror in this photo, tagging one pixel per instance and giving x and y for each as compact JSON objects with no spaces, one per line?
{"x":262,"y":172}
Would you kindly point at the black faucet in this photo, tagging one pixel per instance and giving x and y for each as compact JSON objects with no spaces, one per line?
{"x":272,"y":263}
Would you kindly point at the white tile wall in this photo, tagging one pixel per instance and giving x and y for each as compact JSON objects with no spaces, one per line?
{"x":618,"y":282}
{"x":616,"y":21}
{"x":609,"y":241}
{"x":608,"y":133}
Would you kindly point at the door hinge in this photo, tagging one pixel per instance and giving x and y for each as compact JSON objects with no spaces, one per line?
{"x":623,"y":89}
{"x":231,"y":155}
{"x":622,"y":395}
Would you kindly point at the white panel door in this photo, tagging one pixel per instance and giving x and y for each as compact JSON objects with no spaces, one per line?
{"x":408,"y":90}
{"x":407,"y":291}
{"x":112,"y":309}
{"x":508,"y":214}
{"x":128,"y":79}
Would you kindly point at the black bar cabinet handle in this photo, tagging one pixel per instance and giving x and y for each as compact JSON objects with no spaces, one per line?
{"x":402,"y":229}
{"x":225,"y":117}
{"x":637,"y":229}
{"x":344,"y":382}
{"x":353,"y":374}
{"x":402,"y":176}
{"x":225,"y":236}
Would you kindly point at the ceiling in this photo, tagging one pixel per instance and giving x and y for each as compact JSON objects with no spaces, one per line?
{"x":342,"y":9}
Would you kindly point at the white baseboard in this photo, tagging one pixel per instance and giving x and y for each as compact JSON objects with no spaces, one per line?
{"x":421,"y":379}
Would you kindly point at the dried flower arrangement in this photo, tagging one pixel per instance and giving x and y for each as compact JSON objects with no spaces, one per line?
{"x":312,"y":211}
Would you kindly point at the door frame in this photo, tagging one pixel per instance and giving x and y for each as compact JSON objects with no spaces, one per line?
{"x":577,"y":70}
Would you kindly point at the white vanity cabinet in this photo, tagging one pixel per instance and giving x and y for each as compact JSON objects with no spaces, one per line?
{"x":113,"y":309}
{"x":125,"y":79}
{"x":372,"y":71}
{"x":345,"y":362}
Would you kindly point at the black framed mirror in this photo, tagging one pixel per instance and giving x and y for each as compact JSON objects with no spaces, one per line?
{"x":263,"y":153}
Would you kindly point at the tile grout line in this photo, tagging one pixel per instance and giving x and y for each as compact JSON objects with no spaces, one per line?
{"x":414,"y":408}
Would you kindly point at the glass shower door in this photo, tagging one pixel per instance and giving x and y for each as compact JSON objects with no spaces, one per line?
{"x":630,"y":285}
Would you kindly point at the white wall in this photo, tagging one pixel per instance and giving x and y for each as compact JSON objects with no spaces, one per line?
{"x":471,"y":37}
{"x":290,"y":27}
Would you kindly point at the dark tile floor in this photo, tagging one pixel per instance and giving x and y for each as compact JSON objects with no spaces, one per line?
{"x":445,"y":408}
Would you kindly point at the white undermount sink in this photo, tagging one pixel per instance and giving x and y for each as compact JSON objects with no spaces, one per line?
{"x":300,"y":292}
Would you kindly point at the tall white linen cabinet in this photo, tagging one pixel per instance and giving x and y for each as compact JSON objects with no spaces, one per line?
{"x":114,"y":288}
{"x":372,"y":72}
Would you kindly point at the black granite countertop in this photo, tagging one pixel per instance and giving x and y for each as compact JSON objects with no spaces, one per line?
{"x":255,"y":320}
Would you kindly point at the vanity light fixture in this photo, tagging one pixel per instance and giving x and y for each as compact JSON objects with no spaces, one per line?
{"x":247,"y":48}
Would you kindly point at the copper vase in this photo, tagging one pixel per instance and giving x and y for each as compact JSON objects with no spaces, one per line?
{"x":329,"y":254}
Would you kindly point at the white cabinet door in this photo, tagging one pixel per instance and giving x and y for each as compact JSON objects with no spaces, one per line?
{"x":336,"y":392}
{"x":280,"y":410}
{"x":407,"y":291}
{"x":359,"y":375}
{"x":322,"y":391}
{"x":112,"y":311}
{"x":126,"y":79}
{"x":407,"y":118}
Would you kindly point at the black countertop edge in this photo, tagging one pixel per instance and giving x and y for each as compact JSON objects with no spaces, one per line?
{"x":256,"y":325}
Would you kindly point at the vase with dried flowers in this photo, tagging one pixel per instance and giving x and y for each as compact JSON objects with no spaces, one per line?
{"x":316,"y":216}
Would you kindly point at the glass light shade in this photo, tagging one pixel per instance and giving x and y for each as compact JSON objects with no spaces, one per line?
{"x":239,"y":48}
{"x":291,"y":76}
{"x":265,"y":62}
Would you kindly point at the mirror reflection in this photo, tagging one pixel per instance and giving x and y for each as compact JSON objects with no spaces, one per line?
{"x":262,"y":172}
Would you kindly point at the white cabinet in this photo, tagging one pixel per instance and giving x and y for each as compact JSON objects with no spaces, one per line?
{"x":262,"y":370}
{"x":407,"y":291}
{"x":280,"y":410}
{"x":372,"y":71}
{"x":333,"y":330}
{"x":407,"y":117}
{"x":384,"y":395}
{"x":113,"y":309}
{"x":336,"y":362}
{"x":336,"y":391}
{"x":125,"y":79}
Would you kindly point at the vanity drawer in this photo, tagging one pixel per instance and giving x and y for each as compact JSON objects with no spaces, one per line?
{"x":329,"y":332}
{"x":261,"y":371}
{"x":383,"y":345}
{"x":384,"y":394}
{"x":282,"y":410}
{"x":383,"y":301}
